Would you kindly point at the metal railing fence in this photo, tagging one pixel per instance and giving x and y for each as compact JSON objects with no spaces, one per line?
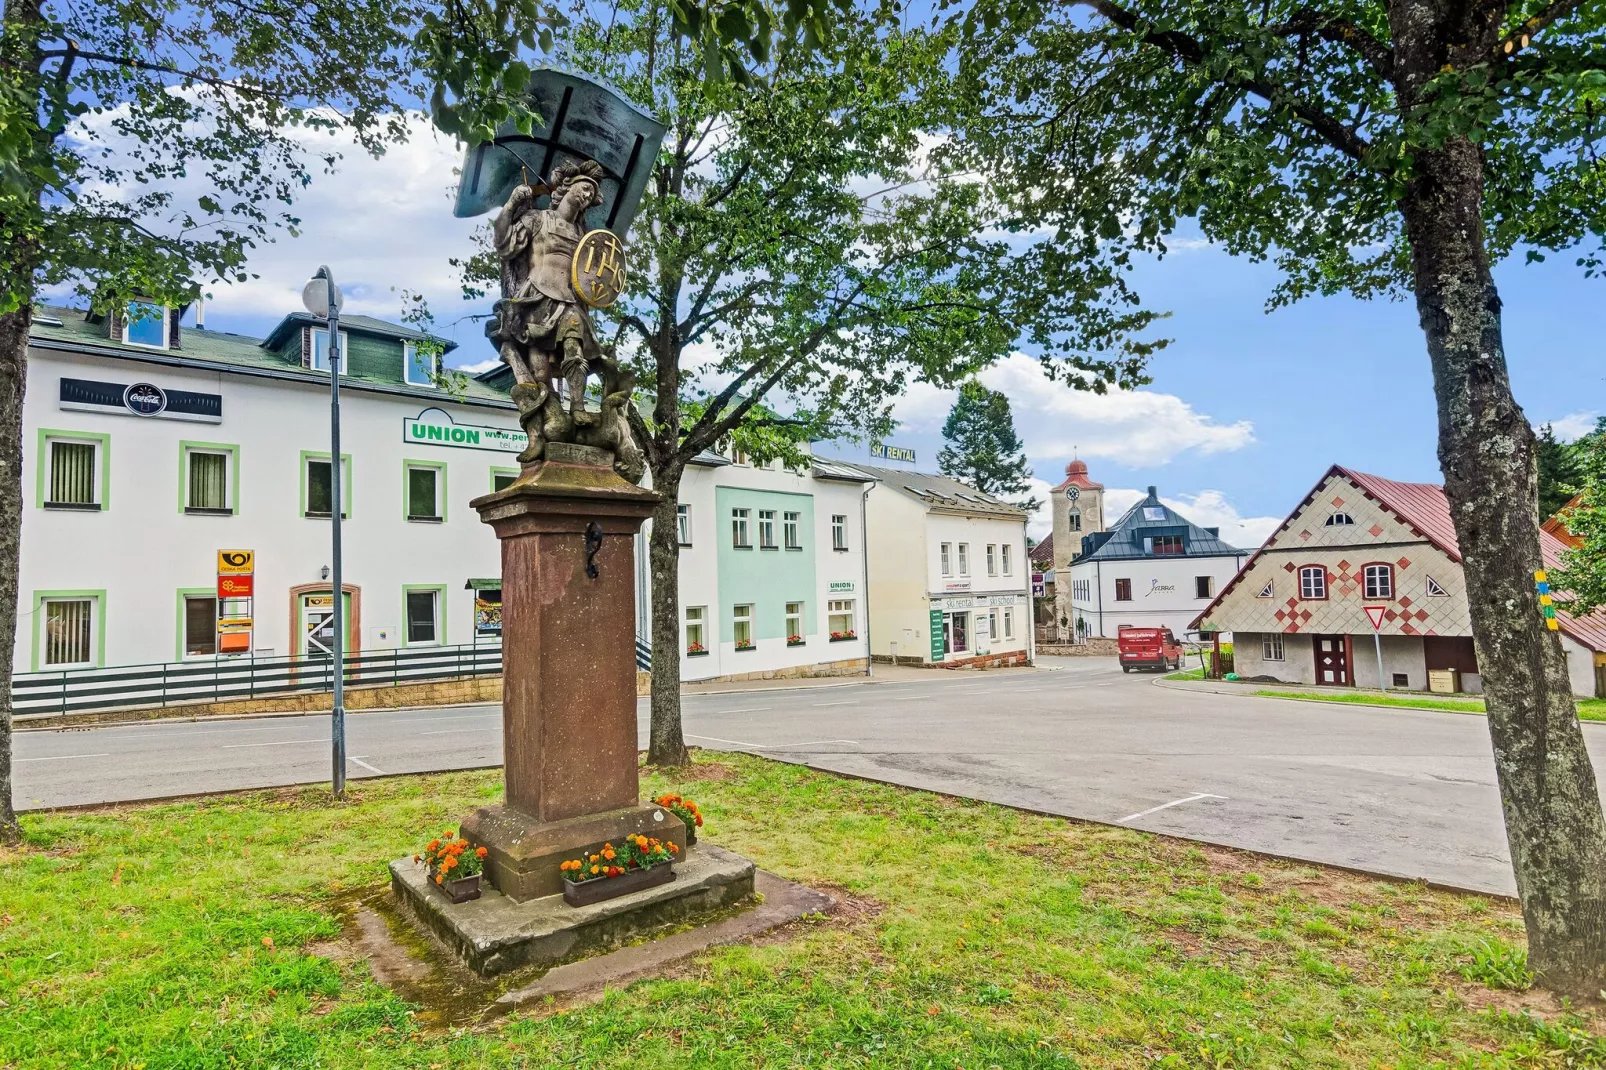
{"x":242,"y":677}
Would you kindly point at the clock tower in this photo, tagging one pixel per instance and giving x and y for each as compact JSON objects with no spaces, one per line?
{"x":1078,"y":511}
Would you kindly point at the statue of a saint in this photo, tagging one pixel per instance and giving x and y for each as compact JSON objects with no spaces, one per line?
{"x":543,"y":329}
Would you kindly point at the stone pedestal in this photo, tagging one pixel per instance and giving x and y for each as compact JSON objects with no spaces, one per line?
{"x":569,"y":680}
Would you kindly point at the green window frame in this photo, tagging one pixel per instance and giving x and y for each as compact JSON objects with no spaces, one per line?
{"x":180,"y":609}
{"x":188,"y":478}
{"x":410,"y":482}
{"x":439,"y":590}
{"x":345,"y":482}
{"x":44,"y":483}
{"x":96,"y":639}
{"x":499,"y":474}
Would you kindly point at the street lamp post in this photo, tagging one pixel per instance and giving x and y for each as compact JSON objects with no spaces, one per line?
{"x":323,"y":299}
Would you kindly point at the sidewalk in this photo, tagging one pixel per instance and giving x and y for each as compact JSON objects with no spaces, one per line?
{"x":879,"y":674}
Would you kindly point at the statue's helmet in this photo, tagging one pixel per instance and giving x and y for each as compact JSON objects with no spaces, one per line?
{"x":564,"y":175}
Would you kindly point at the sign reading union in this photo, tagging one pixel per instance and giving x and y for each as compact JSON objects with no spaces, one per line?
{"x":436,"y":428}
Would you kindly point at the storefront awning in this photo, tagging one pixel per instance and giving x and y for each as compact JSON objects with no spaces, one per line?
{"x":483,"y":584}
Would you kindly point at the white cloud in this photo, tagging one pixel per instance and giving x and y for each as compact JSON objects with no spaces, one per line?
{"x":1574,"y":425}
{"x":1208,"y":509}
{"x":1040,"y":524}
{"x":1138,"y":428}
{"x":479,"y":366}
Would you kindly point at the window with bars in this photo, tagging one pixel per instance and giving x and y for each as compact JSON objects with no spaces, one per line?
{"x":74,"y":467}
{"x":207,"y":482}
{"x":67,"y":631}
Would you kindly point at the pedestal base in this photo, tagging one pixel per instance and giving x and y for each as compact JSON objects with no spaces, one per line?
{"x":494,"y":934}
{"x":523,"y":853}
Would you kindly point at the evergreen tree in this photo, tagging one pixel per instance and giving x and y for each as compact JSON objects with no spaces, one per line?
{"x":1558,"y":471}
{"x":983,"y":449}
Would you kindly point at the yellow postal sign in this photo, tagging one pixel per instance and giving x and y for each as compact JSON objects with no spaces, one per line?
{"x":236,"y":562}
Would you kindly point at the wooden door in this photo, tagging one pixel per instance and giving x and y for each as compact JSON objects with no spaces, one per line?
{"x":1332,"y":660}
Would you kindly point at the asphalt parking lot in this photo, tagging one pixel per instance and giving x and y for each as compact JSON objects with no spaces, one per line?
{"x":1402,"y":792}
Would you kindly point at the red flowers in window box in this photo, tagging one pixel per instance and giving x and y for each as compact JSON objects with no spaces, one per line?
{"x":837,"y":637}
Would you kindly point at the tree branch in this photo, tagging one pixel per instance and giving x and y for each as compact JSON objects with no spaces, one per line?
{"x":1342,"y":32}
{"x":1518,"y":39}
{"x":162,"y":68}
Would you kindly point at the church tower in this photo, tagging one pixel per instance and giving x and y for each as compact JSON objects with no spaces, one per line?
{"x":1078,"y":511}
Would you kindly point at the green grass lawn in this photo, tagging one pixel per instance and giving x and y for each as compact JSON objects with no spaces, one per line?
{"x":1589,"y":709}
{"x":175,"y":936}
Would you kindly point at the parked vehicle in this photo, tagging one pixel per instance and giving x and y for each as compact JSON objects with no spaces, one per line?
{"x":1149,"y":648}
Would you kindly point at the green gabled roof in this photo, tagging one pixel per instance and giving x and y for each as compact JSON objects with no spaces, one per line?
{"x":361,"y":324}
{"x":224,"y":351}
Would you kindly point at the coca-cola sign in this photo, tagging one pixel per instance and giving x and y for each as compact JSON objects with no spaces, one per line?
{"x":144,"y":399}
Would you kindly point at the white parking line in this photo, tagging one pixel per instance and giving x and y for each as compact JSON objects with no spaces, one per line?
{"x":1166,"y":806}
{"x":816,"y":742}
{"x":275,"y":743}
{"x":745,"y":709}
{"x":358,"y":761}
{"x":851,"y":703}
{"x":63,"y":757}
{"x":732,"y":742}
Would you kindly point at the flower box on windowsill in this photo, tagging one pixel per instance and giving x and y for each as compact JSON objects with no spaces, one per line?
{"x":87,"y":507}
{"x":697,"y":652}
{"x":742,"y":649}
{"x":843,"y":637}
{"x":199,"y":510}
{"x":796,"y":640}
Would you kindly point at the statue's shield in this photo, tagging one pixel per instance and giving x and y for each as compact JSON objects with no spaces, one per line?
{"x":580,"y":119}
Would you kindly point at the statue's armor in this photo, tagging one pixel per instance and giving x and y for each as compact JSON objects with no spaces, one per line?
{"x":552,"y":244}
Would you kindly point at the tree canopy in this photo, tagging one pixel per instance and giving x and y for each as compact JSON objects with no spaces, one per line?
{"x":981,"y":446}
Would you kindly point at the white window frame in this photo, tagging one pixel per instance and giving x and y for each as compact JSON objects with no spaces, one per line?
{"x":1369,"y":590}
{"x":992,"y":559}
{"x":229,"y":489}
{"x":741,"y":530}
{"x":434,"y":619}
{"x":794,"y":615}
{"x":839,"y":531}
{"x":695,"y":617}
{"x":683,"y":524}
{"x":345,"y":351}
{"x":964,"y":559}
{"x":409,"y":365}
{"x":1339,"y":519}
{"x":439,"y":515}
{"x":1271,"y":646}
{"x":1073,"y":520}
{"x":742,"y":613}
{"x":840,"y":607}
{"x":1009,"y":623}
{"x":792,"y":530}
{"x":167,"y":325}
{"x":945,"y":559}
{"x":766,"y":530}
{"x":1005,"y":556}
{"x":1435,"y":589}
{"x":1317,"y":572}
{"x":92,"y":644}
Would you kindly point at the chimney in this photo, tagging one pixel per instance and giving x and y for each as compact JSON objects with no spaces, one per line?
{"x":1153,"y":493}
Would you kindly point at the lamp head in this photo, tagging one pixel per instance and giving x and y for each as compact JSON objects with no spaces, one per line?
{"x":315,"y":294}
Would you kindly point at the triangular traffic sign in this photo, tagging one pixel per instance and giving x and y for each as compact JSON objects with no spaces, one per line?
{"x":1375,"y":615}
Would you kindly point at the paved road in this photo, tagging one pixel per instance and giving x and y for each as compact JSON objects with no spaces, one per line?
{"x":1392,"y":791}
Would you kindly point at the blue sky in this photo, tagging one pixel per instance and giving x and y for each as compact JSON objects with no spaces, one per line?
{"x":1245,"y":411}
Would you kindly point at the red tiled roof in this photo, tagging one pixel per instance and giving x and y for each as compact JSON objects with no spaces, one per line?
{"x":1043,"y":552}
{"x":1425,"y":508}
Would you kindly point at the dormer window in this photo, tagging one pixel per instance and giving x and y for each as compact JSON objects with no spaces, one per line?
{"x":1339,"y":520}
{"x":145,"y":324}
{"x":418,"y":365}
{"x":320,"y":350}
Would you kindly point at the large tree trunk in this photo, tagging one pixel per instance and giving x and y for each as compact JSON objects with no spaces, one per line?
{"x":1554,"y":821}
{"x":667,"y":740}
{"x":13,"y":380}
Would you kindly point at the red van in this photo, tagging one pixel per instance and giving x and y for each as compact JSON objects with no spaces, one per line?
{"x":1149,"y":648}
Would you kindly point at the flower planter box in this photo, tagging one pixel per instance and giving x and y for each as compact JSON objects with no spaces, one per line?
{"x":696,"y":653}
{"x":584,"y":893}
{"x":462,"y":889}
{"x":691,"y":835}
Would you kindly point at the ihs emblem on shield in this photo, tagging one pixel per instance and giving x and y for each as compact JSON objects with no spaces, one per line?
{"x":598,"y":269}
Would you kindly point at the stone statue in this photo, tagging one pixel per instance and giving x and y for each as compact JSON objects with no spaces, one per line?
{"x":542,"y":328}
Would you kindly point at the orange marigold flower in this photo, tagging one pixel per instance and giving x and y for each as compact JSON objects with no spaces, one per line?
{"x":479,"y":852}
{"x":595,"y":869}
{"x":699,"y":820}
{"x":433,"y":845}
{"x":448,"y":834}
{"x":440,"y":878}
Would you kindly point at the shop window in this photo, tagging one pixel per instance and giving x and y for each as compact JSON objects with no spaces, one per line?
{"x":740,"y":537}
{"x":696,"y":618}
{"x":1378,"y":581}
{"x":418,"y":365}
{"x":791,"y":530}
{"x":200,"y":626}
{"x":145,"y":324}
{"x":423,"y":617}
{"x":75,"y":478}
{"x":742,"y":626}
{"x":1123,"y":590}
{"x":206,"y":480}
{"x":1271,"y":646}
{"x":1313,"y":582}
{"x":840,"y":619}
{"x":683,"y":525}
{"x":766,"y":529}
{"x":424,"y":493}
{"x":839,"y":531}
{"x":67,"y":632}
{"x":794,"y":623}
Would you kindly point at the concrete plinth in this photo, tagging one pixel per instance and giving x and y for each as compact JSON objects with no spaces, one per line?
{"x":523,"y":853}
{"x":494,"y":934}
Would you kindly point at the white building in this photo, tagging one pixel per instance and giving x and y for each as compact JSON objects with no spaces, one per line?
{"x":149,"y":448}
{"x":772,"y":571}
{"x":950,"y":583}
{"x":1153,"y":568}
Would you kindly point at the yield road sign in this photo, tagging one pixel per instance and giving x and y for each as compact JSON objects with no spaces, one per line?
{"x":1375,"y":615}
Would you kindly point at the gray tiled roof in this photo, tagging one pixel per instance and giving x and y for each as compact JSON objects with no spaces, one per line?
{"x":352,"y":322}
{"x":222,"y":350}
{"x":1148,"y":518}
{"x":940,"y":492}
